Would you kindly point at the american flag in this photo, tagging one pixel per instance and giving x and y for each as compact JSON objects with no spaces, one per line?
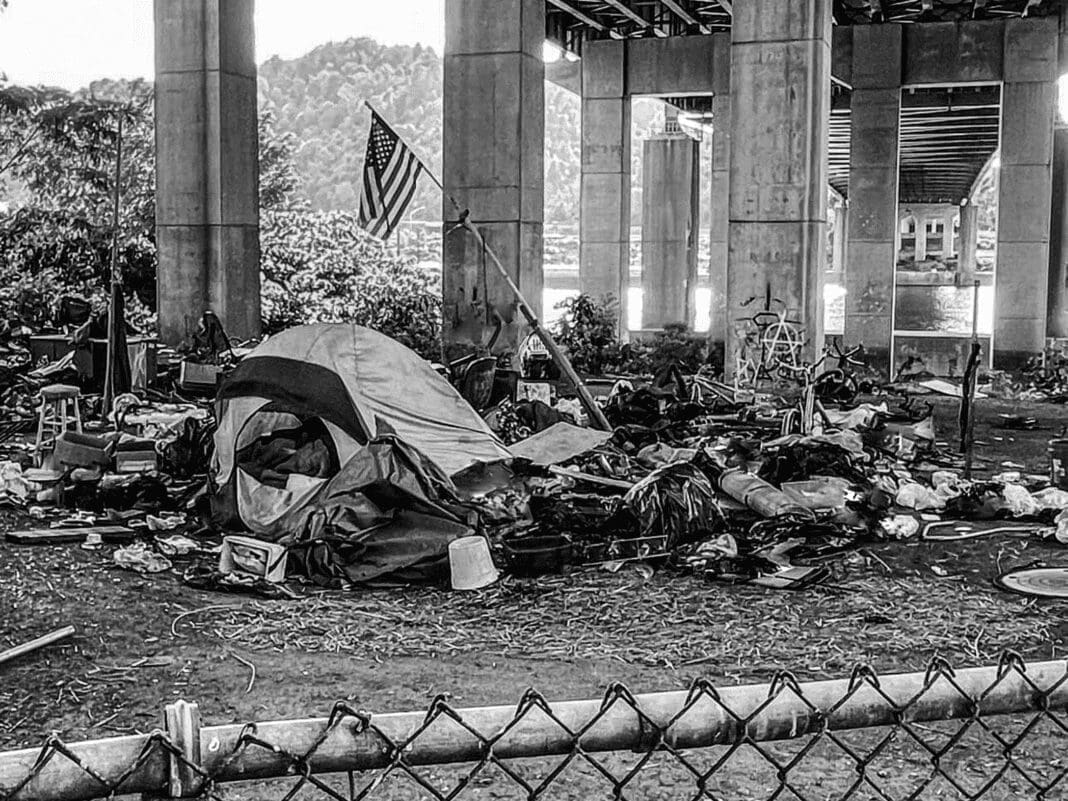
{"x":390,"y":171}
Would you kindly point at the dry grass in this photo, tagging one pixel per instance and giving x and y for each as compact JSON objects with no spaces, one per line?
{"x":669,"y":621}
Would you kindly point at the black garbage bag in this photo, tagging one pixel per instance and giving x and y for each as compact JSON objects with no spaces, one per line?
{"x":802,"y":460}
{"x":677,"y":501}
{"x":189,"y":454}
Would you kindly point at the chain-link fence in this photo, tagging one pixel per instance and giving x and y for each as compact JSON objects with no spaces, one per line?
{"x":988,"y":732}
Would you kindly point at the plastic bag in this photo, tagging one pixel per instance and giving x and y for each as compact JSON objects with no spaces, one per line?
{"x":916,"y":496}
{"x":1019,"y":501}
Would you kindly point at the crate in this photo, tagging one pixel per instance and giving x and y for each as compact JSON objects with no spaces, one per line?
{"x":81,"y":450}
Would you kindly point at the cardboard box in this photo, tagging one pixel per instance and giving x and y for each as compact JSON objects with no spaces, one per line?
{"x":80,"y":450}
{"x":253,"y":557}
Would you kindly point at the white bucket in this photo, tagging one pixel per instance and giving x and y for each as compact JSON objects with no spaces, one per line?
{"x":471,"y":564}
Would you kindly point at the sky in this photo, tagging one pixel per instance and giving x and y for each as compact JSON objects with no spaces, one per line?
{"x":69,"y":43}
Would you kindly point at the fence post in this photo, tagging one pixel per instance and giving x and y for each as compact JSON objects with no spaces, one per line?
{"x":181,"y":724}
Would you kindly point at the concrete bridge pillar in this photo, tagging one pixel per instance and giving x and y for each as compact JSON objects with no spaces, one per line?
{"x":780,"y":111}
{"x":1028,"y":102}
{"x":969,"y":241}
{"x":875,"y":111}
{"x":207,"y":173}
{"x":493,"y":163}
{"x":948,"y":219}
{"x":1057,"y":315}
{"x":921,"y":237}
{"x":671,"y":174}
{"x":604,"y":205}
{"x":719,"y":208}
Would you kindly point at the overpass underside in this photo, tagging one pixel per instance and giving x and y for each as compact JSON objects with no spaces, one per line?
{"x":888,"y":102}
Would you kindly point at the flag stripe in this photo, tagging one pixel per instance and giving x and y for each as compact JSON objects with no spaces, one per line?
{"x":400,"y":207}
{"x":390,"y":178}
{"x":399,"y":185}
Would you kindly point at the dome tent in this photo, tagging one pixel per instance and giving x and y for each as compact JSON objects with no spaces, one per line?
{"x":359,"y":385}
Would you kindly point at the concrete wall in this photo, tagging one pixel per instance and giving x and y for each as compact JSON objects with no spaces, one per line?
{"x":493,"y":163}
{"x":207,"y":168}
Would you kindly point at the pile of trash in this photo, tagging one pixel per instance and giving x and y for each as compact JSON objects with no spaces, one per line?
{"x":336,"y":457}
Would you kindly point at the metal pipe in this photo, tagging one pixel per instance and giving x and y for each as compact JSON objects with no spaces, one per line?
{"x":688,"y":721}
{"x":33,"y":645}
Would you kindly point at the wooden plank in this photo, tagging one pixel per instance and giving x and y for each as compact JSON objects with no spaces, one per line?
{"x":62,"y":536}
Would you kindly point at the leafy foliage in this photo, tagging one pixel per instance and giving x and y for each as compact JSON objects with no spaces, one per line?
{"x":322,"y":267}
{"x":587,"y":330}
{"x":676,"y":344}
{"x":59,"y":149}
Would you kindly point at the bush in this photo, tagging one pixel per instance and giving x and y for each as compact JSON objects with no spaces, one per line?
{"x":676,"y":344}
{"x":588,"y":330}
{"x":322,"y":267}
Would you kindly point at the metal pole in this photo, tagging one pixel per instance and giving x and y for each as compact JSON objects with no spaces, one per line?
{"x":115,"y":279}
{"x":687,"y":720}
{"x":596,"y":415}
{"x":967,"y":402}
{"x":33,"y":645}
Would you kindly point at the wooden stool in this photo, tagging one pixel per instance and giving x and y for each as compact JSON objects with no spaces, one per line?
{"x":59,"y":408}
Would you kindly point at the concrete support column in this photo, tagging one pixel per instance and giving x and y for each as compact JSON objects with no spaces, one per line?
{"x":1028,"y":102}
{"x":969,"y":241}
{"x":875,"y":109}
{"x":719,"y":205}
{"x":207,"y":157}
{"x":838,"y":245}
{"x":671,"y":174}
{"x":493,"y":163}
{"x":780,"y":113}
{"x":921,"y":237}
{"x":1057,"y":314}
{"x":604,"y":205}
{"x":947,"y":234}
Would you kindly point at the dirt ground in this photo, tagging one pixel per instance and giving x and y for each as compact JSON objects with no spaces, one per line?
{"x":141,"y":642}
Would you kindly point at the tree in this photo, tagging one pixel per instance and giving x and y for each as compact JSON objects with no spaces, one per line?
{"x":279,"y":182}
{"x":58,"y":149}
{"x":317,"y":267}
{"x":322,"y":267}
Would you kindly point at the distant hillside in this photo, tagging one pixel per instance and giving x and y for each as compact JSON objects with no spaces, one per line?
{"x":320,"y":96}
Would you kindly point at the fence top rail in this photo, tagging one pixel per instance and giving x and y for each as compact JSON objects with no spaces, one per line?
{"x":704,"y":715}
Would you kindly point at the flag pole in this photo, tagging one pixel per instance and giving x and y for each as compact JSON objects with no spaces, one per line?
{"x":596,"y":414}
